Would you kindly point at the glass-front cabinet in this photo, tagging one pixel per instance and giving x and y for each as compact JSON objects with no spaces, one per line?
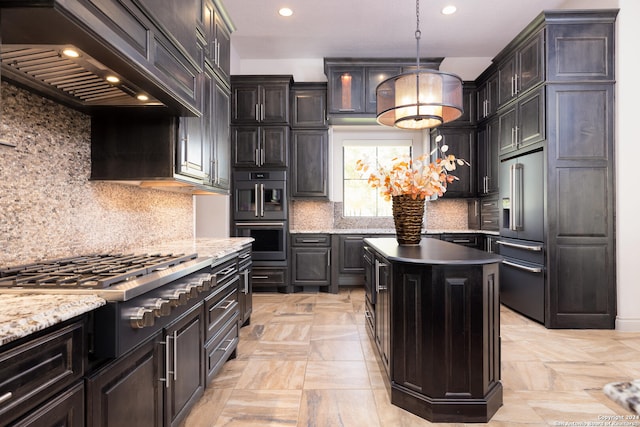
{"x":347,"y":90}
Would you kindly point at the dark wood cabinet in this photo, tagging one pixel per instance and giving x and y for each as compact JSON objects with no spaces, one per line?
{"x":522,"y":125}
{"x":352,"y":83}
{"x":383,"y":273}
{"x":130,"y":390}
{"x":37,"y":374}
{"x":220,"y":174}
{"x":184,"y":368}
{"x":217,"y":38}
{"x":309,"y":165}
{"x":260,"y":99}
{"x":438,"y":329}
{"x":309,"y":105}
{"x":269,"y":277}
{"x":489,"y":213}
{"x":260,"y":146}
{"x":464,"y":239}
{"x":66,"y":410}
{"x":487,"y":96}
{"x":522,"y":69}
{"x":462,"y":143}
{"x":488,"y":160}
{"x":310,"y":261}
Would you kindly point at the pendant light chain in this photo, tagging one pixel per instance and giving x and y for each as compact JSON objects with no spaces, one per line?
{"x":418,"y":35}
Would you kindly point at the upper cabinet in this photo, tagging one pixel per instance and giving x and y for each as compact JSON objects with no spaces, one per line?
{"x":487,"y":96}
{"x":352,"y":84}
{"x":260,"y":99}
{"x":212,"y":23}
{"x":309,"y":105}
{"x":522,"y":69}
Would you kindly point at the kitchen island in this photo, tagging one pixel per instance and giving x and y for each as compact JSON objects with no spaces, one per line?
{"x":433,"y":312}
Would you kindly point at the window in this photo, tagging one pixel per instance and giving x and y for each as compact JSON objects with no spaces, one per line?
{"x":359,"y":199}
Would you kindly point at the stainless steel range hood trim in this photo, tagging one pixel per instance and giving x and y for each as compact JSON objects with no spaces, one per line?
{"x":21,"y":23}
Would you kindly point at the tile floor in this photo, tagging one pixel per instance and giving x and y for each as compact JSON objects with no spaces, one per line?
{"x":307,"y":360}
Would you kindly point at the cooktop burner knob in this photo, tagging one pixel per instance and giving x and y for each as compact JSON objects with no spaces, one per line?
{"x":161,"y":307}
{"x":177,"y":297}
{"x":142,"y":317}
{"x":192,"y":290}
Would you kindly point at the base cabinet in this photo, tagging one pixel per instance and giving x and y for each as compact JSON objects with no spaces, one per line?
{"x":66,"y":410}
{"x":129,"y":391}
{"x":311,"y":260}
{"x":437,"y":328}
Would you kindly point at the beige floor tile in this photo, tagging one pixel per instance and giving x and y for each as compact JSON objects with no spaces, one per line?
{"x":272,"y":375}
{"x":334,"y":332}
{"x":336,"y":375}
{"x":335,"y":350}
{"x":260,"y":408}
{"x":338,"y":408}
{"x":307,"y":360}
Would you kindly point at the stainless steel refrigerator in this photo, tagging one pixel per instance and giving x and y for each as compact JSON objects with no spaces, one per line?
{"x":522,"y":240}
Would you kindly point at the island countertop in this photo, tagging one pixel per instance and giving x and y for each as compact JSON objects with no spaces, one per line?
{"x":432,"y":251}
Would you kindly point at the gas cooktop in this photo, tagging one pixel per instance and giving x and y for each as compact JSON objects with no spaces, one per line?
{"x":112,"y":276}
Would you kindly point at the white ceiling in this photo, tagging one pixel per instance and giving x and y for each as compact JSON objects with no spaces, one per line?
{"x":383,"y":28}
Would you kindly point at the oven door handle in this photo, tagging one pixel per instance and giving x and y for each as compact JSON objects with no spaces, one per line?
{"x":261,"y":200}
{"x":259,"y":224}
{"x":257,"y":198}
{"x":523,"y":267}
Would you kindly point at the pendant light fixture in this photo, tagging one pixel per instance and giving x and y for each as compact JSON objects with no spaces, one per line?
{"x":419,"y":99}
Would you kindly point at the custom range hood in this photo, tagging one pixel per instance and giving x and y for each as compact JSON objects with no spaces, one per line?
{"x":123,"y":57}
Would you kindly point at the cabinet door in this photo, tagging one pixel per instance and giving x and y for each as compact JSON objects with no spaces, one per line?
{"x":222,"y":46}
{"x":310,"y":152}
{"x":245,"y":142}
{"x":487,"y":98}
{"x":131,"y":382}
{"x":462,"y":143}
{"x":185,"y":365}
{"x":531,"y":119}
{"x":506,"y":80}
{"x":274,"y":103}
{"x":346,"y":90}
{"x":383,"y":310}
{"x":311,"y":266}
{"x":274,"y":146}
{"x":190,"y":153}
{"x":507,"y":122}
{"x":375,"y":76}
{"x":309,"y":108}
{"x":488,"y":157}
{"x":221,"y":137}
{"x":351,"y":253}
{"x":531,"y":63}
{"x":245,"y":104}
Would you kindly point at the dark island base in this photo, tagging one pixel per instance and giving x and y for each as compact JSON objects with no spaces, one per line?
{"x":448,"y":410}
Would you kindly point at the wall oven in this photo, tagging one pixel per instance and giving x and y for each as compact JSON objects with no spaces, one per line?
{"x":259,"y":195}
{"x":270,"y":238}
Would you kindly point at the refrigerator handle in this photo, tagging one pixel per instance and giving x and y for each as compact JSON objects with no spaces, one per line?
{"x":512,"y":208}
{"x":516,"y":214}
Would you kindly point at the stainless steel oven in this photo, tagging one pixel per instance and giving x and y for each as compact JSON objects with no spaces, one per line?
{"x":259,"y":195}
{"x":270,"y":238}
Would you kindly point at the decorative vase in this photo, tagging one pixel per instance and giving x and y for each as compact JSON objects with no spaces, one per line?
{"x":408,"y":214}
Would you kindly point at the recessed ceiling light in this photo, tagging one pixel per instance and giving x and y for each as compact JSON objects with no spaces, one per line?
{"x":285,"y":11}
{"x":449,"y":10}
{"x":142,"y":97}
{"x":71,"y":53}
{"x":112,"y":79}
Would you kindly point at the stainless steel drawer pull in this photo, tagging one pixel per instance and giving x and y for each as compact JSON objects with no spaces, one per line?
{"x":523,"y":267}
{"x":229,"y":304}
{"x":310,"y":240}
{"x":8,"y":395}
{"x":516,"y":245}
{"x":227,"y":347}
{"x":260,"y":277}
{"x":461,"y":241}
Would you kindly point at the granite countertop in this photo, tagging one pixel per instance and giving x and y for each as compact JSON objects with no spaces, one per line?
{"x":205,"y":247}
{"x":23,"y":314}
{"x":388,"y":231}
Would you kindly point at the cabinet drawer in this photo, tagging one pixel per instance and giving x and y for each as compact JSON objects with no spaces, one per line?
{"x":265,"y":276}
{"x":244,"y":259}
{"x":225,"y":271}
{"x":65,"y":410}
{"x":310,"y":240}
{"x":219,"y":349}
{"x":471,"y":240}
{"x":39,"y":369}
{"x":220,"y":307}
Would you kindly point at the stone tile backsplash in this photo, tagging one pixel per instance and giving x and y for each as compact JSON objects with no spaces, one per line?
{"x":48,"y":206}
{"x":440,"y":214}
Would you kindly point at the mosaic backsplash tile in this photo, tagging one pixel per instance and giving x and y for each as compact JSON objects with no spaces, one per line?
{"x":441,"y":214}
{"x":48,"y":206}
